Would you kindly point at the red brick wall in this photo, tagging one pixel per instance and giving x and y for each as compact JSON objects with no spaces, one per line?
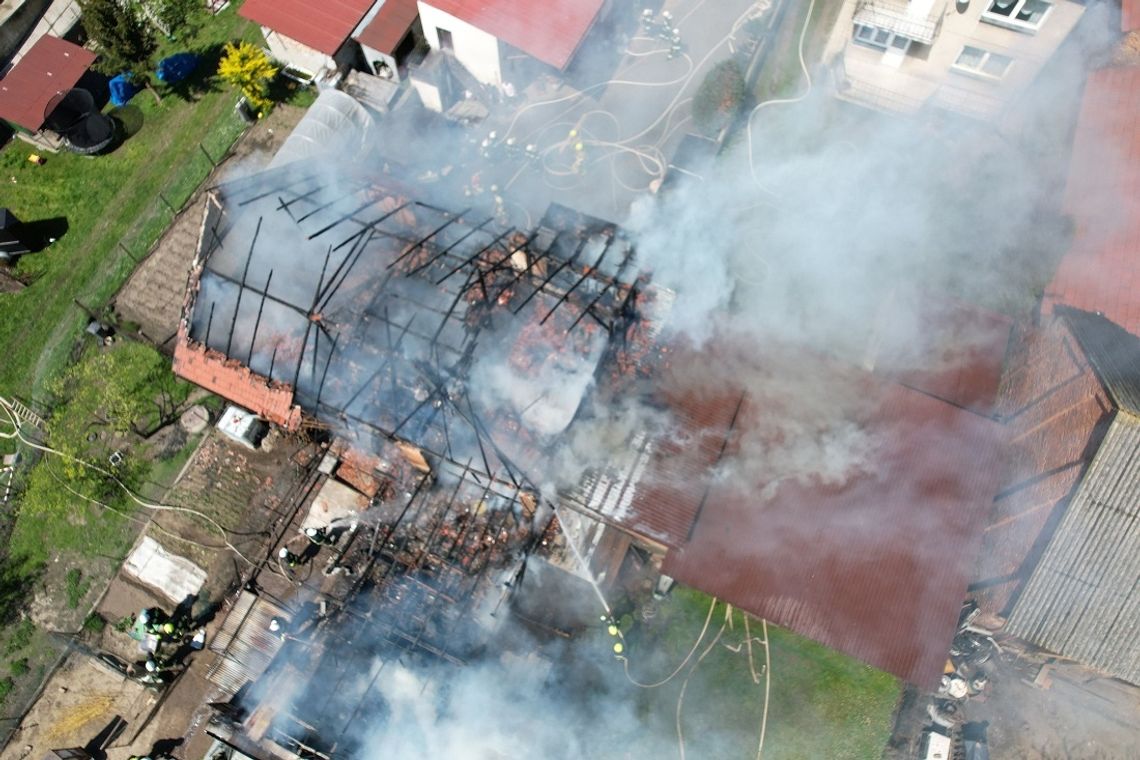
{"x":1056,"y":412}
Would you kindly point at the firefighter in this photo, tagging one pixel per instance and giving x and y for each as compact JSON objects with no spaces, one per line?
{"x":289,"y":558}
{"x":318,"y":536}
{"x":156,"y":622}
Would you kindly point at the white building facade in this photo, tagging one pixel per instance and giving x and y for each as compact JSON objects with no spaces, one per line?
{"x":970,"y":57}
{"x":477,"y":50}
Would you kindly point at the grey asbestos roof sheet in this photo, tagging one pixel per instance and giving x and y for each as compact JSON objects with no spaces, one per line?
{"x":1083,"y":600}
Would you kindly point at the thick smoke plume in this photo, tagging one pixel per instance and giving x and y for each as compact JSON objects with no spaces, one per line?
{"x":817,"y":241}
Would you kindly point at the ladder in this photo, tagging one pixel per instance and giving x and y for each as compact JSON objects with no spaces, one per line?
{"x":23,"y":413}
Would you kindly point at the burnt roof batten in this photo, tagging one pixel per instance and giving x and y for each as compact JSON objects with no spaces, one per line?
{"x":325,"y":374}
{"x":209,"y":324}
{"x":474,"y":256}
{"x":244,"y":274}
{"x":583,"y":278}
{"x":268,"y":193}
{"x":355,"y":258}
{"x":419,"y":243}
{"x":368,"y":227}
{"x":448,"y":249}
{"x":552,"y":275}
{"x":257,"y":322}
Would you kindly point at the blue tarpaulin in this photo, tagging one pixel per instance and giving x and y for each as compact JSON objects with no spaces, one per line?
{"x":177,"y":67}
{"x":122,"y":89}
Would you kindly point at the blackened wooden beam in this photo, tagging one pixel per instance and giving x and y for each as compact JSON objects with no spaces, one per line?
{"x":241,"y":290}
{"x":257,"y":322}
{"x":448,"y":249}
{"x":585,"y":276}
{"x":474,"y":256}
{"x":419,"y":243}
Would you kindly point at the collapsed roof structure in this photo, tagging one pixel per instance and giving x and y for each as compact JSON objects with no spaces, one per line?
{"x":371,"y":311}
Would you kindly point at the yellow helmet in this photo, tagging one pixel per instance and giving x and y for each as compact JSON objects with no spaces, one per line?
{"x":168,"y":628}
{"x":618,"y":648}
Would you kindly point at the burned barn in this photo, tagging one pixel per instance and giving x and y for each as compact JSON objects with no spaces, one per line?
{"x":352,"y":304}
{"x":445,"y":356}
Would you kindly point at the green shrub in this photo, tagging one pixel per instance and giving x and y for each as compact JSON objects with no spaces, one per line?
{"x":19,"y":667}
{"x":21,"y":636}
{"x":94,"y":623}
{"x":719,"y":97}
{"x":6,"y":686}
{"x":76,"y":587}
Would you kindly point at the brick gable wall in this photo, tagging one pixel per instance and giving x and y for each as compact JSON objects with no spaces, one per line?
{"x":1056,"y":412}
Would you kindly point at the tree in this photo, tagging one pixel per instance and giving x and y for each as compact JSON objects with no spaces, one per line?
{"x":173,"y":16}
{"x":719,"y":97}
{"x":101,"y":402}
{"x":125,"y":40}
{"x":248,"y":68}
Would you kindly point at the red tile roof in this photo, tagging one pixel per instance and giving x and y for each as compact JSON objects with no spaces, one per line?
{"x":235,"y":382}
{"x":389,"y":26}
{"x":550,"y":31}
{"x":323,"y":26}
{"x":877,"y":566}
{"x":1101,"y":271}
{"x":1130,"y":15}
{"x":51,"y":66}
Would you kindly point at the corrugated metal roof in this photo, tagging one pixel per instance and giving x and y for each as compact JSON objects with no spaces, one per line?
{"x":389,"y":26}
{"x":961,"y":356}
{"x":245,"y":645}
{"x":551,"y":31}
{"x":1113,"y":352}
{"x":1099,"y":271}
{"x":876,"y":567}
{"x":51,"y":66}
{"x":1082,"y":601}
{"x":323,"y":26}
{"x":655,"y":486}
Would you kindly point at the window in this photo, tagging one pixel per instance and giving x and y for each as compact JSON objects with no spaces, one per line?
{"x":880,"y":38}
{"x":974,"y":60}
{"x":445,"y":42}
{"x":1022,"y":15}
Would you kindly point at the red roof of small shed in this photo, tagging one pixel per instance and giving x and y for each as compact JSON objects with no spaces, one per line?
{"x":550,"y":31}
{"x":50,"y":67}
{"x":389,"y":26}
{"x":323,"y":26}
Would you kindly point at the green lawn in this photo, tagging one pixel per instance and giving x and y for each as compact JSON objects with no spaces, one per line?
{"x":112,"y":206}
{"x":781,"y":75}
{"x":822,"y":704}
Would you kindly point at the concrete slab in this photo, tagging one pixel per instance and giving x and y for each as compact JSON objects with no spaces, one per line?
{"x":173,"y":576}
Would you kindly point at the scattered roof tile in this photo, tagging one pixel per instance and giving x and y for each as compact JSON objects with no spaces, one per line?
{"x":236,"y":383}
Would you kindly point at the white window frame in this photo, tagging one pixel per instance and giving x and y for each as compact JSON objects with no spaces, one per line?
{"x":887,"y":44}
{"x":979,"y":70}
{"x":1011,"y":21}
